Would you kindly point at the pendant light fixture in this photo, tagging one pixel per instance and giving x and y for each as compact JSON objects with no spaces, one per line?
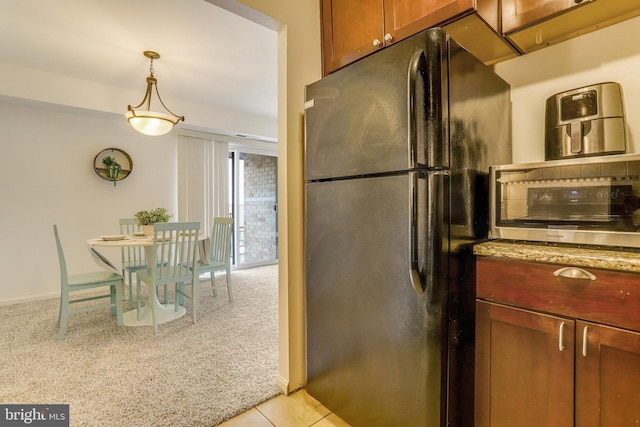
{"x":151,"y":122}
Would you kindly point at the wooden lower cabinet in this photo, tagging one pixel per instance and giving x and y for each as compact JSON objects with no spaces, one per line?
{"x":538,"y":368}
{"x":522,"y":377}
{"x":607,"y":376}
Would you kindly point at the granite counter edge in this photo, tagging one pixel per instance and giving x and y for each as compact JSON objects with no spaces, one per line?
{"x":618,"y":260}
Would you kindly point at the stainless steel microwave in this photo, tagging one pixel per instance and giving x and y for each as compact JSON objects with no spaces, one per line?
{"x":591,"y":200}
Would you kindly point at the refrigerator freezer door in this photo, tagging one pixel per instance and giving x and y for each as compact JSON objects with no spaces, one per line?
{"x":357,"y":120}
{"x":374,"y":344}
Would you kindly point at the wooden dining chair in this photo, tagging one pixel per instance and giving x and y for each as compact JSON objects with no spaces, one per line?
{"x":133,"y":257}
{"x":219,"y":254}
{"x":174,"y":252}
{"x":82,"y":282}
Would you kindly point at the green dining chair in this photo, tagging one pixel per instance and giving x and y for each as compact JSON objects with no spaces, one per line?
{"x":219,"y":254}
{"x":74,"y":284}
{"x":174,"y":252}
{"x":133,"y":257}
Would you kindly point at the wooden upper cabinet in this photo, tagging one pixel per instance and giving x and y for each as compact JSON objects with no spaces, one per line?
{"x":403,"y":18}
{"x":534,"y":24}
{"x":348,"y":30}
{"x":520,"y":13}
{"x":354,"y":29}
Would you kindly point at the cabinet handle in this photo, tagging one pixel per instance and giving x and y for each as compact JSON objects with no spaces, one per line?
{"x":584,"y":341}
{"x":574,"y":273}
{"x":388,"y":37}
{"x":376,"y":43}
{"x":561,"y":340}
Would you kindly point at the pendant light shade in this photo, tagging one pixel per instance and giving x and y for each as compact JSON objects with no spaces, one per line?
{"x":151,"y":122}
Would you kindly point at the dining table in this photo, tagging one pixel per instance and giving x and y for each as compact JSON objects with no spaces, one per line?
{"x":164,"y":312}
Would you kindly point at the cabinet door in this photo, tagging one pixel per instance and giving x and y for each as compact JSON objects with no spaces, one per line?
{"x":524,"y":368}
{"x":353,"y":29}
{"x":403,"y":18}
{"x":349,"y":29}
{"x":607,"y":376}
{"x":519,"y":13}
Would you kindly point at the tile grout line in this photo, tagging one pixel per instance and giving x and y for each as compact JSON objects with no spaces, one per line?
{"x":265,"y":417}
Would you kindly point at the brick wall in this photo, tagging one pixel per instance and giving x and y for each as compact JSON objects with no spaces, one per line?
{"x":260,"y":173}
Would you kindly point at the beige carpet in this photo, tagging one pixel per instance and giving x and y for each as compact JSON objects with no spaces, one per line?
{"x":188,"y":375}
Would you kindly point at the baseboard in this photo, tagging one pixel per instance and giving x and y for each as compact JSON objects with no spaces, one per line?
{"x":285,"y":386}
{"x":50,"y":295}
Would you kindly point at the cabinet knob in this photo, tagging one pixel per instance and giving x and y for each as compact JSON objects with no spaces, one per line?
{"x":388,"y":37}
{"x":376,"y":43}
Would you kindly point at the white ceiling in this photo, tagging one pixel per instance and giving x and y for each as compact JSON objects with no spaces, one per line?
{"x":208,"y":55}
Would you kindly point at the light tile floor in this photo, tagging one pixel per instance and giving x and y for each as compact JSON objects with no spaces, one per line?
{"x":296,"y":410}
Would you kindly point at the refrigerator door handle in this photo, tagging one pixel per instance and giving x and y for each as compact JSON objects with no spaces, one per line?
{"x":416,"y":276}
{"x":417,"y":66}
{"x":425,"y":269}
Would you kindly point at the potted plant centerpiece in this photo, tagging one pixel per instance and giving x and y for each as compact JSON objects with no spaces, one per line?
{"x":113,"y":167}
{"x":146,"y":219}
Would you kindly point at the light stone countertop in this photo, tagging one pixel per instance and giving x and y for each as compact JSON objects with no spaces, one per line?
{"x":619,"y":259}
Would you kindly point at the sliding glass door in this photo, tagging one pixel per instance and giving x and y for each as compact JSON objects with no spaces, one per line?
{"x":253,"y":203}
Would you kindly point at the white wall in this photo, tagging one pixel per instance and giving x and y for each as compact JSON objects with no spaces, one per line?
{"x":47,"y":178}
{"x":299,"y":64}
{"x":611,"y":54}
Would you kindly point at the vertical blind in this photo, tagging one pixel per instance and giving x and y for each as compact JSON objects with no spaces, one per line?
{"x":203,"y":180}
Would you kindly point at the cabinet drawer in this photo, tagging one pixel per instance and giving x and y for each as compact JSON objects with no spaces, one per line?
{"x":612,"y":298}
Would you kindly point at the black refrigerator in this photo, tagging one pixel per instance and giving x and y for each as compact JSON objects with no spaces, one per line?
{"x":397,"y":153}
